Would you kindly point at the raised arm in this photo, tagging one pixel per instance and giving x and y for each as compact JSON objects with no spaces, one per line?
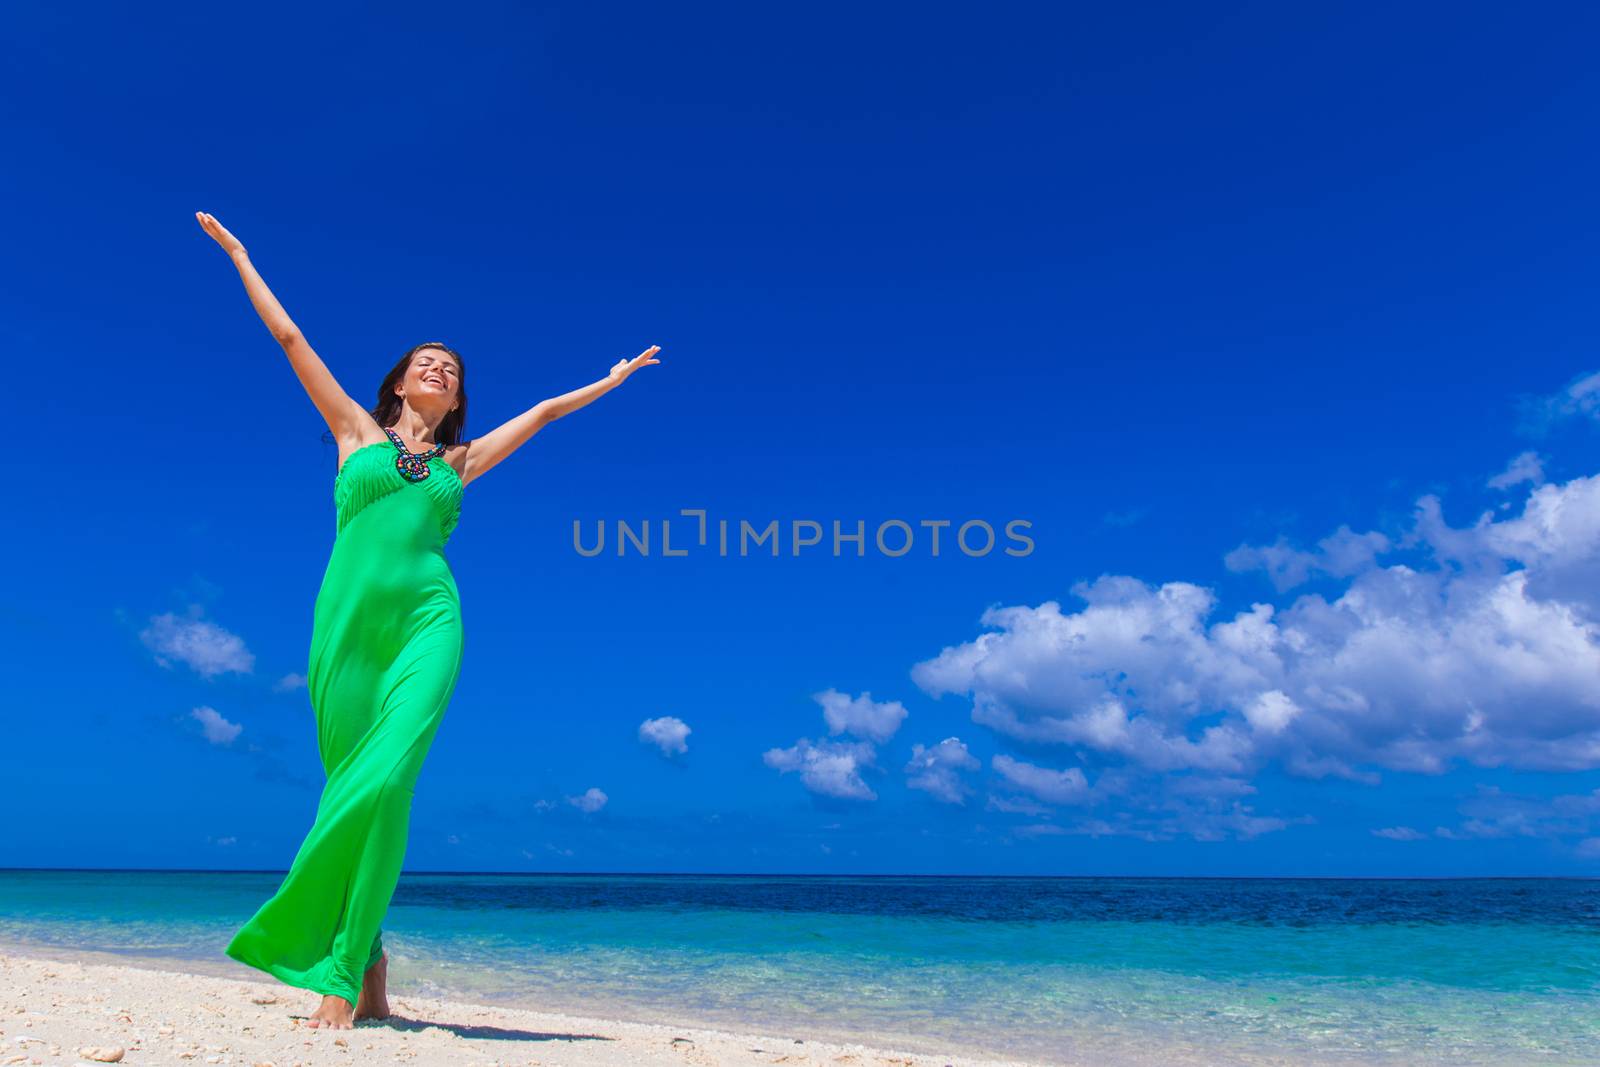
{"x":484,"y":452}
{"x":344,"y":416}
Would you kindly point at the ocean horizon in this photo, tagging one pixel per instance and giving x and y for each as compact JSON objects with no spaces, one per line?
{"x":1114,"y":970}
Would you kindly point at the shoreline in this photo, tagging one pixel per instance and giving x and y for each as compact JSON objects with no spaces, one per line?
{"x":56,"y":1001}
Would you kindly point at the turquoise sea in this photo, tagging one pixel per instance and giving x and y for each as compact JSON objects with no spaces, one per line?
{"x":1105,"y":971}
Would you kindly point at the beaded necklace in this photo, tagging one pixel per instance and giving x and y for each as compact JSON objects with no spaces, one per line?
{"x":413,"y":466}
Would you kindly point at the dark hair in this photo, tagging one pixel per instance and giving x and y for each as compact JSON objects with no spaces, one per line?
{"x":387,"y":411}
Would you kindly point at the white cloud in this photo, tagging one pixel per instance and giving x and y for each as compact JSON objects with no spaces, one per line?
{"x":861,"y":716}
{"x":1015,"y":805}
{"x":1485,"y":649}
{"x":590,"y":800}
{"x":937,"y":770}
{"x":1341,"y":554}
{"x":218,"y":731}
{"x":1525,"y":468}
{"x":1217,"y":822}
{"x":1200,"y":785}
{"x":1107,"y":727}
{"x":1492,"y":812}
{"x":1164,"y":815}
{"x":1270,"y":712}
{"x":668,"y":733}
{"x":1580,"y":399}
{"x":289,"y":682}
{"x":1051,"y":786}
{"x":831,"y":768}
{"x":1400,"y":833}
{"x":203,"y":646}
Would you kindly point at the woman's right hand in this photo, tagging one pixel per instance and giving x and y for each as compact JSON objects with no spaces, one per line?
{"x":219,"y":233}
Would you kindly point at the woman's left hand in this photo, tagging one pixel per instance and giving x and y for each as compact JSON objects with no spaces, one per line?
{"x":625,"y":367}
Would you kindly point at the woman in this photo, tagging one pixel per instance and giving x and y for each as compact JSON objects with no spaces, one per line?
{"x":386,"y":647}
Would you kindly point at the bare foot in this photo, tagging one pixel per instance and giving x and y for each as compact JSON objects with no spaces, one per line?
{"x":373,"y":1003}
{"x":333,"y":1014}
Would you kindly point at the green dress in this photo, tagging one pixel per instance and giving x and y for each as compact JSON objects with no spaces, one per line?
{"x":386,"y":648}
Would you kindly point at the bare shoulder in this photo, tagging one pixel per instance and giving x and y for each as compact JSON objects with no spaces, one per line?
{"x":358,"y":429}
{"x":361,"y":431}
{"x":456,"y":456}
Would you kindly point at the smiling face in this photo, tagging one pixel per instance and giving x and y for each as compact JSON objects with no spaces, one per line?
{"x":432,"y":381}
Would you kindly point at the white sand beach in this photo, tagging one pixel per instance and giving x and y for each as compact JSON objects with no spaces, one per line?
{"x":71,"y":1011}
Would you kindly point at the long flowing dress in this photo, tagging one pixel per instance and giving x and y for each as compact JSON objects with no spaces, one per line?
{"x":386,"y":650}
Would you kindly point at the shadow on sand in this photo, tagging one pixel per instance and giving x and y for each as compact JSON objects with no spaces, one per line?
{"x":487,"y":1033}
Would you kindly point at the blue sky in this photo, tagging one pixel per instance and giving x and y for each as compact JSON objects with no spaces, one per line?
{"x":1276,"y":326}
